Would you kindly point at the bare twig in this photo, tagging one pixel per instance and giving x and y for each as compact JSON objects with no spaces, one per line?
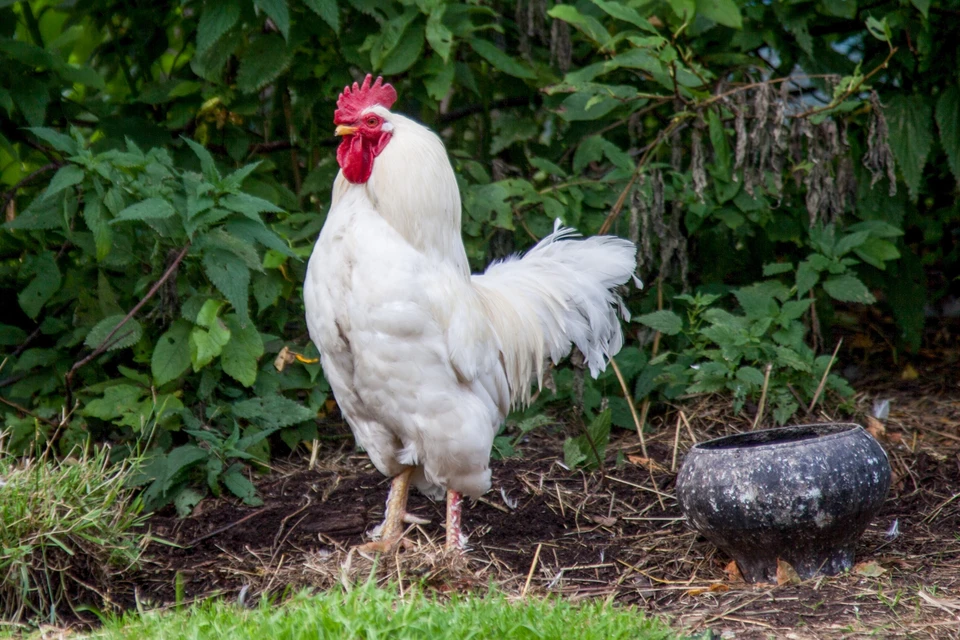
{"x":533,"y":566}
{"x":823,"y":378}
{"x":12,"y":192}
{"x":633,"y":409}
{"x":106,"y":342}
{"x":763,"y":396}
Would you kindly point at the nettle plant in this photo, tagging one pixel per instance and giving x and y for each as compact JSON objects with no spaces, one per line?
{"x":183,"y":250}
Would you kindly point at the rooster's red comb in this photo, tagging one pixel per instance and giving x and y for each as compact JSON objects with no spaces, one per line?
{"x":354,"y":100}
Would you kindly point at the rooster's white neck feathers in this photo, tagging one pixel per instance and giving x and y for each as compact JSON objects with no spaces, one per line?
{"x":414,"y":189}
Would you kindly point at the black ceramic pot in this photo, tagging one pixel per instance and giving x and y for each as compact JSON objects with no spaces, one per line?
{"x":803,"y":494}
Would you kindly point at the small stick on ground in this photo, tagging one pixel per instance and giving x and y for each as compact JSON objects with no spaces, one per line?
{"x":633,"y":409}
{"x":763,"y":395}
{"x":533,"y":566}
{"x":823,"y":379}
{"x":676,"y":445}
{"x":686,"y":423}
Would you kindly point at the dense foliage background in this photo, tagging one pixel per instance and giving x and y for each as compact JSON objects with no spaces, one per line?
{"x":166,"y":166}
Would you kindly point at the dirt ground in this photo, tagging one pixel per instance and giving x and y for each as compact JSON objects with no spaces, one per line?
{"x":617,"y":535}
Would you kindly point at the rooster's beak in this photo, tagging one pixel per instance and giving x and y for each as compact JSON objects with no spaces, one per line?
{"x":344,"y":130}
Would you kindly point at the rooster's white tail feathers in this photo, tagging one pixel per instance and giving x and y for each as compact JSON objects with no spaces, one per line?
{"x":557,"y":294}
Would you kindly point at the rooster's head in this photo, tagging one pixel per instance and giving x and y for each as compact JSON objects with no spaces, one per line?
{"x":361,"y":118}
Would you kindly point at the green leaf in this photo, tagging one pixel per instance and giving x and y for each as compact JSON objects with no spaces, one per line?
{"x":207,"y":164}
{"x":235,"y":180}
{"x":750,"y":375}
{"x":757,"y":300}
{"x":589,"y":25}
{"x":272,"y":412}
{"x":278,"y":12}
{"x":221,"y":239}
{"x":877,"y":252}
{"x":573,"y":456}
{"x":57,"y":140}
{"x":218,"y":17}
{"x":407,"y":51}
{"x":775,"y":268}
{"x":263,"y":62}
{"x":208,"y":339}
{"x":149,"y":209}
{"x":11,"y":335}
{"x":923,"y":6}
{"x":684,"y":9}
{"x":725,"y":12}
{"x":721,"y":149}
{"x":327,"y":10}
{"x":171,"y":356}
{"x":126,"y":336}
{"x":948,"y":121}
{"x":879,"y":29}
{"x":231,"y":277}
{"x":32,"y":97}
{"x":666,"y":322}
{"x":850,"y":242}
{"x":250,"y":206}
{"x":250,"y":231}
{"x":848,"y":288}
{"x":240,"y":486}
{"x":45,"y":283}
{"x":790,"y":358}
{"x":807,"y":276}
{"x":911,"y":136}
{"x":793,"y":309}
{"x":622,"y":12}
{"x":240,"y":355}
{"x":501,"y":61}
{"x":64,"y":178}
{"x":267,"y":288}
{"x":438,"y":35}
{"x":186,"y":500}
{"x":116,"y":401}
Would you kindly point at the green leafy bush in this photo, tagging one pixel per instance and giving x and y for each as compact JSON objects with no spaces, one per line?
{"x":165,"y":171}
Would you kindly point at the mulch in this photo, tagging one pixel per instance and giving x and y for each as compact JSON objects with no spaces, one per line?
{"x":616,"y":534}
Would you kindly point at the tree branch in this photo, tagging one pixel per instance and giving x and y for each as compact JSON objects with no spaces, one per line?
{"x":12,"y":192}
{"x":106,"y":342}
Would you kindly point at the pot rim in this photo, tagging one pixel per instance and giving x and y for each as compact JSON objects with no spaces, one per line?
{"x":719,"y":446}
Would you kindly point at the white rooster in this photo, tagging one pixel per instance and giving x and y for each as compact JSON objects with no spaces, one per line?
{"x":425,"y":359}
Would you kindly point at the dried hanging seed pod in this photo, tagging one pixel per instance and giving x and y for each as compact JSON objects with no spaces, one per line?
{"x":740,"y":129}
{"x":697,"y":170}
{"x":879,"y":158}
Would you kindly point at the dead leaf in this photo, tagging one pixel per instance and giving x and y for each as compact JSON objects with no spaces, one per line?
{"x":909,"y":373}
{"x":604,"y":521}
{"x":284,"y":358}
{"x":289,"y":356}
{"x":870,"y":569}
{"x":648,"y":463}
{"x":733,"y":572}
{"x":876,"y":428}
{"x":786,"y":574}
{"x":719,"y":588}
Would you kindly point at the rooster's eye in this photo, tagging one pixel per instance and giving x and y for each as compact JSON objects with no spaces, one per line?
{"x":372,"y":122}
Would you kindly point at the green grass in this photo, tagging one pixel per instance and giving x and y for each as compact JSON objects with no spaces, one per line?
{"x":66,"y":528}
{"x":368,"y":612}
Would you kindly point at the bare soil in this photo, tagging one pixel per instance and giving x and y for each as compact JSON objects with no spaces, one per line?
{"x":616,"y":534}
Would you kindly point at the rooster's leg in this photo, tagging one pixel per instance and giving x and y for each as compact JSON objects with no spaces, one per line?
{"x":454,"y":513}
{"x":391,"y":531}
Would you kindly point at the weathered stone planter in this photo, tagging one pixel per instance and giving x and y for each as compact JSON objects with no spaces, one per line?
{"x":803,"y":494}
